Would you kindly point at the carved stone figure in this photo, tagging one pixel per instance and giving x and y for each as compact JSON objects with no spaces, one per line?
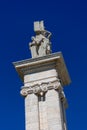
{"x":40,"y":45}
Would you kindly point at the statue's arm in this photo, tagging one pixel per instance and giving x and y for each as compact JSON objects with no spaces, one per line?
{"x":49,"y":34}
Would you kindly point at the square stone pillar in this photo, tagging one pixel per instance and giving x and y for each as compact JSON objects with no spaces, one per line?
{"x":45,"y":102}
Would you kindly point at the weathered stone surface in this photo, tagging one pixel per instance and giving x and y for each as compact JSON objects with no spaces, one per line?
{"x":43,"y":115}
{"x":54,"y":115}
{"x":31,"y":112}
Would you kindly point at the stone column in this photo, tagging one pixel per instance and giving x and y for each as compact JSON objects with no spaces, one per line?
{"x":54,"y":114}
{"x":31,"y":112}
{"x":43,"y":115}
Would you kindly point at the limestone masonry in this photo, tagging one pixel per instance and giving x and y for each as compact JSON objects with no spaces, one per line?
{"x":43,"y":76}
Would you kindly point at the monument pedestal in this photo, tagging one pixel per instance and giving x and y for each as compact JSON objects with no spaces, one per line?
{"x":45,"y":102}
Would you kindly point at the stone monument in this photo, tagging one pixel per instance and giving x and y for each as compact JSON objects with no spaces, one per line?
{"x":44,"y":77}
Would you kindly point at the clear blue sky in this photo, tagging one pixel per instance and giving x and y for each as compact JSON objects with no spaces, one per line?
{"x":67,"y":20}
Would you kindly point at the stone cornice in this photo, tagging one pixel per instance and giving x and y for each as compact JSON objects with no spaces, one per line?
{"x":51,"y":61}
{"x":22,"y":62}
